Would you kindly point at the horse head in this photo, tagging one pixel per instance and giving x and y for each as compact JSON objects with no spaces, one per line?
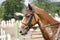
{"x":29,"y":19}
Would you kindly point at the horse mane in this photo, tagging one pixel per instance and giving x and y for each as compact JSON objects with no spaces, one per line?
{"x":44,"y":15}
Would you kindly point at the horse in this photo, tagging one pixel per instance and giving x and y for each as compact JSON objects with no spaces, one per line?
{"x":48,"y":25}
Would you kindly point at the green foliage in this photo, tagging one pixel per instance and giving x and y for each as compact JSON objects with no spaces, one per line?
{"x":2,"y":10}
{"x":18,"y":17}
{"x":12,"y":6}
{"x":51,"y":7}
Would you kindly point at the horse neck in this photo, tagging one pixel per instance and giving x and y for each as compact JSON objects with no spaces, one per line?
{"x":44,"y":18}
{"x":44,"y":32}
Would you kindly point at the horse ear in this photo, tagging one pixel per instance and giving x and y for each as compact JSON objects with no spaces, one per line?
{"x":30,"y":7}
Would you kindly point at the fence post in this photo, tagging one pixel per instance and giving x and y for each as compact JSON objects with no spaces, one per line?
{"x":3,"y":36}
{"x":16,"y":30}
{"x":8,"y":37}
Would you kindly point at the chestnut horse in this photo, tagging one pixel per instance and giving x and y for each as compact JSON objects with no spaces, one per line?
{"x":48,"y":25}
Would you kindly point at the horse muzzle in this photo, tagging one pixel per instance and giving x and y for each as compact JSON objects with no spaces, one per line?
{"x":24,"y":32}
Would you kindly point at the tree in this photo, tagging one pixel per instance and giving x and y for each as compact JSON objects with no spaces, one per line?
{"x":2,"y":10}
{"x":12,"y":6}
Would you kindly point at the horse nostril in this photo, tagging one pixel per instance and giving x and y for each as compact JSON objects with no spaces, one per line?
{"x":20,"y":31}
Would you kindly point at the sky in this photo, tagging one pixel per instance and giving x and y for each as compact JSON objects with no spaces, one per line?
{"x":29,"y":1}
{"x":1,"y":1}
{"x":55,"y":0}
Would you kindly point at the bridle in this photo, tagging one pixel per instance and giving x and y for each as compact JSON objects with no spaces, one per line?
{"x":28,"y":25}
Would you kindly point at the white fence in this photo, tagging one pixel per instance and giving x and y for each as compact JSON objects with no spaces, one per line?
{"x":14,"y":24}
{"x":9,"y":23}
{"x":4,"y":35}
